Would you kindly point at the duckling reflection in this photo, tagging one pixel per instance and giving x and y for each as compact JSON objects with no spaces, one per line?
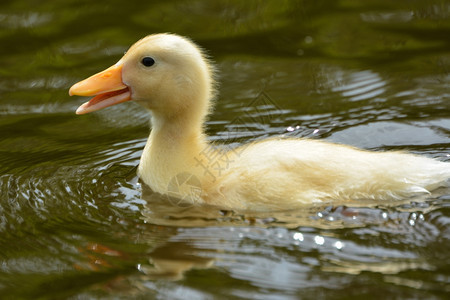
{"x":253,"y":246}
{"x":170,"y":211}
{"x":263,"y":248}
{"x":172,"y":260}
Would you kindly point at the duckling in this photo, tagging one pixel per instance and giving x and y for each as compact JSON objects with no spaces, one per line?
{"x":171,"y":77}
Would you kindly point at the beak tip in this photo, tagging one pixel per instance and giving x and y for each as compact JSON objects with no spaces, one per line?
{"x":72,"y":90}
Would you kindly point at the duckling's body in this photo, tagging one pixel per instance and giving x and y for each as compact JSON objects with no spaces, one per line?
{"x":307,"y":171}
{"x":281,"y":173}
{"x":169,"y":75}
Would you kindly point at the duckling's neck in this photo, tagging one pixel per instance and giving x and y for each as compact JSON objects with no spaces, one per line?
{"x":180,"y":136}
{"x":171,"y":149}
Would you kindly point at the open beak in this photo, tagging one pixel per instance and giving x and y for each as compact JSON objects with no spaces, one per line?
{"x":106,"y":86}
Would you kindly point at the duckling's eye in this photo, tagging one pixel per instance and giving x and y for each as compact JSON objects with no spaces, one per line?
{"x":148,"y":61}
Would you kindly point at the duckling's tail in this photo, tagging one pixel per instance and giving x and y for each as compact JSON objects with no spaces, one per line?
{"x":404,"y":176}
{"x":432,"y":175}
{"x":443,"y":174}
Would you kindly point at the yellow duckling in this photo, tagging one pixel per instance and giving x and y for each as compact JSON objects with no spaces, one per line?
{"x":170,"y":76}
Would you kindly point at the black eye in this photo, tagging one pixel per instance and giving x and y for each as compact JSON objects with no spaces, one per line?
{"x":148,"y":61}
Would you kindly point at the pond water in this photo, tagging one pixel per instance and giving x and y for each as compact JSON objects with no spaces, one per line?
{"x":75,"y":223}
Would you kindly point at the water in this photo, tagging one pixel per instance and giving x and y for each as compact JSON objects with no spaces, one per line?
{"x":75,"y":222}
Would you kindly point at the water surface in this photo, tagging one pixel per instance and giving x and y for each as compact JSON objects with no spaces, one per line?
{"x":75,"y":222}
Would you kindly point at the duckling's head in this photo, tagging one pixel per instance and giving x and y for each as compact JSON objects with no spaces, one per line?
{"x":165,"y":73}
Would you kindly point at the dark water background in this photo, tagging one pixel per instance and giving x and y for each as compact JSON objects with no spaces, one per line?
{"x":73,"y":224}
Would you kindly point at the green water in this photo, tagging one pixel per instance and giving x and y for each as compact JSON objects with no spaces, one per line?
{"x":75,"y":222}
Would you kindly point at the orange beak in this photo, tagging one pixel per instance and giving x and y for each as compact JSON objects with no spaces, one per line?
{"x":107,"y":87}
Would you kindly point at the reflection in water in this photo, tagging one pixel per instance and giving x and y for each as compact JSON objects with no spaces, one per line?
{"x":171,"y":260}
{"x":320,"y":237}
{"x":255,"y":254}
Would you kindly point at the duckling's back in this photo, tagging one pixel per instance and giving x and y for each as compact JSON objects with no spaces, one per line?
{"x":282,"y":173}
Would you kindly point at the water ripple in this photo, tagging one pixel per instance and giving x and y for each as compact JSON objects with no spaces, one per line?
{"x":362,"y":85}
